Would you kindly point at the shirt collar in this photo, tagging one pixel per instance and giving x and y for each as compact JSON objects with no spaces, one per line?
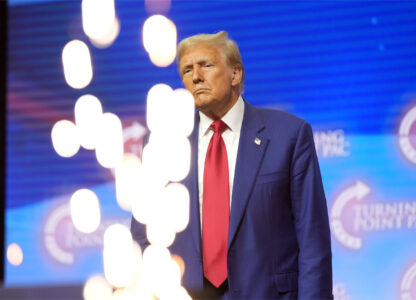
{"x":233,"y":118}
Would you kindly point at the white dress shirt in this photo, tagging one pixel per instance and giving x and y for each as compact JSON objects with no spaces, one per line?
{"x":231,"y":136}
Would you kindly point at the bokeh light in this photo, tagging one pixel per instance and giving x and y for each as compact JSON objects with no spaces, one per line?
{"x":121,"y":259}
{"x":109,"y":149}
{"x":76,"y":60}
{"x":85,"y":210}
{"x":159,"y":40}
{"x":158,"y":233}
{"x":14,"y":254}
{"x":96,"y":287}
{"x":65,"y":138}
{"x":107,"y":39}
{"x":97,"y":17}
{"x":161,"y":272}
{"x":183,"y":112}
{"x":176,"y":202}
{"x":159,"y":100}
{"x":127,"y":178}
{"x":88,"y":111}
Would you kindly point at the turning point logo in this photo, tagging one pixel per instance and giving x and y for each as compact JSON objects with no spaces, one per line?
{"x":407,"y":135}
{"x":356,"y":192}
{"x":408,"y":285}
{"x":351,"y":217}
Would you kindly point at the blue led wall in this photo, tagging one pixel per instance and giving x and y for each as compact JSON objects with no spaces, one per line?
{"x":348,"y":68}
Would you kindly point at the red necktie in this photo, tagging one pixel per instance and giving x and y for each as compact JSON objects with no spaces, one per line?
{"x":215,"y":208}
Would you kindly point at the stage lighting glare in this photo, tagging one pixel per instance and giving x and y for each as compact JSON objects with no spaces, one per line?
{"x":167,"y":283}
{"x":97,"y":287}
{"x":158,"y":108}
{"x":183,"y":110}
{"x":159,"y":40}
{"x":85,"y":210}
{"x":97,"y":17}
{"x":155,"y":159}
{"x":176,"y":204}
{"x":14,"y":254}
{"x":158,"y":232}
{"x":124,"y":294}
{"x":65,"y":138}
{"x":76,"y":60}
{"x":179,"y":158}
{"x":120,"y":259}
{"x":127,"y":177}
{"x":146,"y":205}
{"x":88,"y":111}
{"x":109,"y":149}
{"x":159,"y":270}
{"x":179,"y":260}
{"x":107,"y":39}
{"x":170,"y":112}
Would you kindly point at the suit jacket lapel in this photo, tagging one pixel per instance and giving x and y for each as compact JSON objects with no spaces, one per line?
{"x":251,"y":149}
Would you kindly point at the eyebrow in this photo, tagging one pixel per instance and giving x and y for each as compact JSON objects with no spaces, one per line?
{"x":199,"y":61}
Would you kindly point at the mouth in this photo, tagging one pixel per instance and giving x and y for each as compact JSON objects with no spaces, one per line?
{"x":200,"y":91}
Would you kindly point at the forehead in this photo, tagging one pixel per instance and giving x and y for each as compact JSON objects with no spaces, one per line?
{"x":200,"y":52}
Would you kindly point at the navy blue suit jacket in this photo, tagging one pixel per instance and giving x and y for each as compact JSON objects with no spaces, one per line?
{"x":279,"y":241}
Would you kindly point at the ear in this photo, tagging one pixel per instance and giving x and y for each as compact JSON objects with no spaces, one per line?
{"x":236,"y":76}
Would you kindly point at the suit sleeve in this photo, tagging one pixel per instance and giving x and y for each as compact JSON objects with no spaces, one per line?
{"x":311,"y":219}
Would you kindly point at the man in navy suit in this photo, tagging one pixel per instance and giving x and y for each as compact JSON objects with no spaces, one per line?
{"x":277,"y":243}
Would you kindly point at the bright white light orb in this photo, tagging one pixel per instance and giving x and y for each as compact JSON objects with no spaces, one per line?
{"x":154,"y":161}
{"x":14,"y":254}
{"x":127,"y":179}
{"x":76,"y":60}
{"x":159,"y":40}
{"x":166,"y":285}
{"x":179,"y":158}
{"x":107,"y":39}
{"x":176,"y":201}
{"x":158,"y":111}
{"x":120,"y":258}
{"x":109,"y":149}
{"x":97,"y":17}
{"x":97,"y":287}
{"x":183,"y":111}
{"x":159,"y":233}
{"x":85,"y":210}
{"x":88,"y":111}
{"x":146,"y":206}
{"x":65,"y":138}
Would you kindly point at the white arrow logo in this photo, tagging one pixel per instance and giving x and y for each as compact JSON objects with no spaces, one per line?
{"x":358,"y":192}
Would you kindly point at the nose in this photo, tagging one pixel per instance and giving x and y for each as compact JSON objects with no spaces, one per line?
{"x":197,"y":75}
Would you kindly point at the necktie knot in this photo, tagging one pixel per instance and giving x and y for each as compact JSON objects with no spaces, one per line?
{"x":218,"y":126}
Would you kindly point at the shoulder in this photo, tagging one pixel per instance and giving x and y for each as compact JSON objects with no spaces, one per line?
{"x":274,"y":119}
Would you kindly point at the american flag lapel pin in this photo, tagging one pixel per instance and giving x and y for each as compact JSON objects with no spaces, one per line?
{"x":257,"y":141}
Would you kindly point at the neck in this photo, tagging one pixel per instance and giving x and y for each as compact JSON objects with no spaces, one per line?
{"x":218,"y":112}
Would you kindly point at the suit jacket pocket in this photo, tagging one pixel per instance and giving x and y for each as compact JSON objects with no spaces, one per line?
{"x":271,"y":177}
{"x":286,"y":282}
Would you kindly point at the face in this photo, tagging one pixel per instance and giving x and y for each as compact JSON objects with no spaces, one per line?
{"x":206,"y":74}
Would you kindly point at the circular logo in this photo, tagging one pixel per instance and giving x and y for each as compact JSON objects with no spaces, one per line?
{"x":407,"y":135}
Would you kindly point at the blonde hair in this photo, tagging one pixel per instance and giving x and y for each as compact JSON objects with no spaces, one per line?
{"x":226,"y":46}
